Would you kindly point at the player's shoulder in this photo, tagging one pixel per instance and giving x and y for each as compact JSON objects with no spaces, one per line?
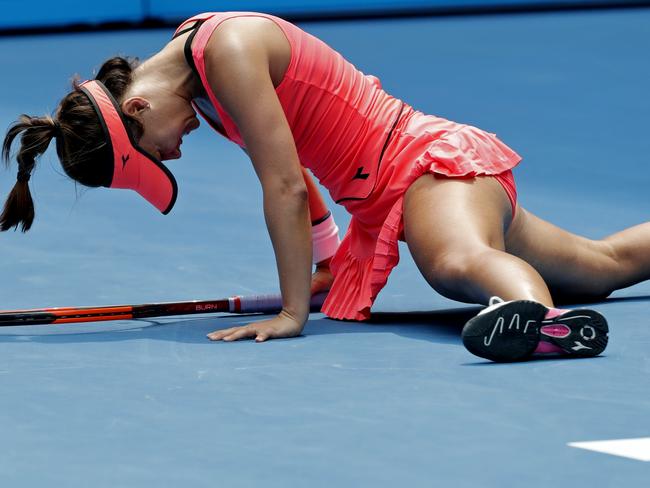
{"x":244,"y":33}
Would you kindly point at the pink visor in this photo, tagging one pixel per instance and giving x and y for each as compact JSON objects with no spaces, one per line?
{"x":133,"y":167}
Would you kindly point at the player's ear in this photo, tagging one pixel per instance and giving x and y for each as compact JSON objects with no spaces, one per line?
{"x":135,"y":106}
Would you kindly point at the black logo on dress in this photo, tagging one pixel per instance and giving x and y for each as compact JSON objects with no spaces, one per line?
{"x":124,"y":160}
{"x":360,"y":175}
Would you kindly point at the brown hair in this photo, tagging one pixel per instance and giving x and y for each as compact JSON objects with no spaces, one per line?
{"x":80,"y":142}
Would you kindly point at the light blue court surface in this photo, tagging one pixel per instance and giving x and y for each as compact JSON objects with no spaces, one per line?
{"x":395,"y":402}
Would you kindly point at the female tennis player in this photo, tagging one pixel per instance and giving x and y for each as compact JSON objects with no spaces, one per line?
{"x":292,"y":103}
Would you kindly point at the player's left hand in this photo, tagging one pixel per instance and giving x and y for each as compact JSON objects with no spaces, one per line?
{"x":284,"y":325}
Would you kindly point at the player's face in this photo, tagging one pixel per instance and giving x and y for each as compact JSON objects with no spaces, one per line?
{"x":166,"y":126}
{"x":166,"y":120}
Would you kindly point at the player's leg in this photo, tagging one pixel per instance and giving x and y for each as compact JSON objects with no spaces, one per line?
{"x":576,"y":268}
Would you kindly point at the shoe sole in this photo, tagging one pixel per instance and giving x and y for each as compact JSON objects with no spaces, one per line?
{"x":513,"y":331}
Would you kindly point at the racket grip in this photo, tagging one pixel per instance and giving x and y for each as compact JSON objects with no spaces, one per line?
{"x":267,"y":303}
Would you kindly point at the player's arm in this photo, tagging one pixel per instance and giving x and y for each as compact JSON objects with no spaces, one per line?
{"x":238,"y":71}
{"x":324,"y":235}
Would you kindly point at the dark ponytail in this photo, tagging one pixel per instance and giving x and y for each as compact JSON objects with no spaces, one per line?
{"x":80,"y":142}
{"x":36,"y":136}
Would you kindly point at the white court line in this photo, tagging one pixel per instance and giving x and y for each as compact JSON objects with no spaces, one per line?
{"x":638,"y":449}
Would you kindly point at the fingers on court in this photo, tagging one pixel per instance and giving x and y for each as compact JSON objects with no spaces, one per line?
{"x":233,"y":334}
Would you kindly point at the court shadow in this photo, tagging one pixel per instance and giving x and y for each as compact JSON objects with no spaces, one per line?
{"x":442,"y":326}
{"x":535,"y":359}
{"x":576,"y":302}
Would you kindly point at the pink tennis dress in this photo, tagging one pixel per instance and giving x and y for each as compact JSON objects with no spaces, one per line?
{"x":365,"y":146}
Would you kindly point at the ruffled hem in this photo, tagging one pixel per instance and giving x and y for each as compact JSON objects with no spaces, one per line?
{"x":358,"y":280}
{"x":350,"y":297}
{"x":466,"y":153}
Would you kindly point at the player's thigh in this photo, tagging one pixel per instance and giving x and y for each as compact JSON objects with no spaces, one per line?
{"x":448,"y":218}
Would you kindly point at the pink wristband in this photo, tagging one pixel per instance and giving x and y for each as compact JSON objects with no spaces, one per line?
{"x":325,"y":239}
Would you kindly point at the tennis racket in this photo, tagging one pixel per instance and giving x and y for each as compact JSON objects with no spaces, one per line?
{"x":66,"y":315}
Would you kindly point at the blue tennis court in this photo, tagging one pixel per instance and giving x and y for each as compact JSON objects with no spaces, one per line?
{"x":397,"y":401}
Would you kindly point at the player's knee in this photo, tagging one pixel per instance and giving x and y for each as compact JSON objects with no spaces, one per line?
{"x":455,"y":268}
{"x":609,"y":268}
{"x":600,"y":270}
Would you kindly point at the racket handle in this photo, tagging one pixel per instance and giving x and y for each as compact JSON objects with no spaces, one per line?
{"x":267,"y":303}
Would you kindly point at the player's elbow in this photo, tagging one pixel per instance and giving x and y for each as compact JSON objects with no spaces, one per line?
{"x":288,"y":189}
{"x":297,"y":191}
